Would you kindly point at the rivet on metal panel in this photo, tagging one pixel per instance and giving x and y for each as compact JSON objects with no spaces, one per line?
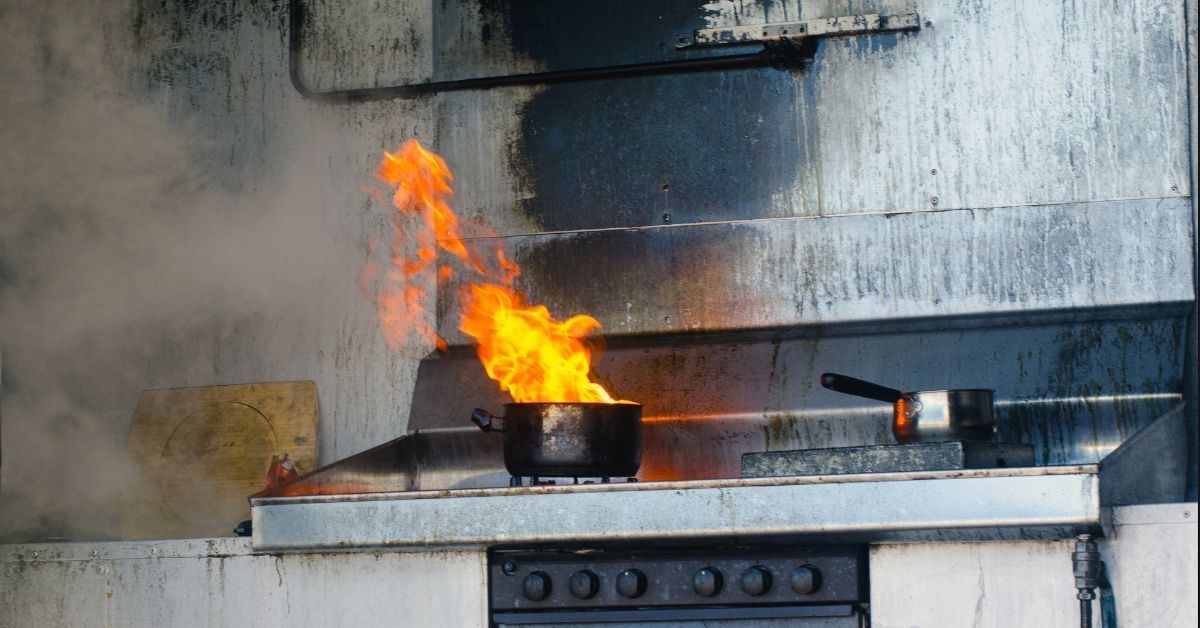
{"x":666,"y":217}
{"x":95,"y":553}
{"x":933,"y":201}
{"x":934,"y":171}
{"x":101,"y":570}
{"x":1187,"y":513}
{"x":928,"y":23}
{"x":510,"y":567}
{"x":1175,"y":188}
{"x":35,"y":554}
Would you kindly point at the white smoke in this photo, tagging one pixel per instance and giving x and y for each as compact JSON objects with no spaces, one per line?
{"x":129,"y":261}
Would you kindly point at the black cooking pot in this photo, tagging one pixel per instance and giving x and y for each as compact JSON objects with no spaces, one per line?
{"x":568,"y":439}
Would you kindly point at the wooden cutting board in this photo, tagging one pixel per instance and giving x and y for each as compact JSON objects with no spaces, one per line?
{"x":201,"y":451}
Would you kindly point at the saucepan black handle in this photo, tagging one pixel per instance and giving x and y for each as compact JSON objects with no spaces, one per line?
{"x":859,"y":388}
{"x":487,"y":421}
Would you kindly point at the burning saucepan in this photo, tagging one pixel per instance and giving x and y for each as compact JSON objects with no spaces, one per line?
{"x":927,"y":416}
{"x":563,"y":424}
{"x":568,"y":439}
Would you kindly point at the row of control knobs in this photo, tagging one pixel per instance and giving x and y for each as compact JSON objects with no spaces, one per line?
{"x":706,"y":582}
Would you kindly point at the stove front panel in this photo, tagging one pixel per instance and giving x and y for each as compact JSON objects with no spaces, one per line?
{"x":822,"y":584}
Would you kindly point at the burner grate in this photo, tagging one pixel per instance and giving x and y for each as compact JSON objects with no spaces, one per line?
{"x":517,"y":480}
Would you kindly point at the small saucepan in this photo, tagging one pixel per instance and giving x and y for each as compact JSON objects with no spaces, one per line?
{"x":927,"y":416}
{"x":582,"y":440}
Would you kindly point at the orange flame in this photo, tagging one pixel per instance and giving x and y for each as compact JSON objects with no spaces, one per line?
{"x":532,"y":356}
{"x":422,"y":182}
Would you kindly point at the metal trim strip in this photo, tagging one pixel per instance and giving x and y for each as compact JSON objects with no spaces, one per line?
{"x":955,"y":505}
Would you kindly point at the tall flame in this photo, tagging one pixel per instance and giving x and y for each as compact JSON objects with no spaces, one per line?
{"x":532,"y":356}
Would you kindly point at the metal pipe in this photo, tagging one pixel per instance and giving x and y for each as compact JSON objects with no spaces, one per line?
{"x":762,"y":58}
{"x":1108,"y":605}
{"x":1086,"y":563}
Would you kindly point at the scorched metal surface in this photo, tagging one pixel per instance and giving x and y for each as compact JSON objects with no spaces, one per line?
{"x":568,"y":439}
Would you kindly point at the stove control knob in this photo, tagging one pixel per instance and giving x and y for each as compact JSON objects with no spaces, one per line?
{"x":584,"y":584}
{"x":536,"y":586}
{"x":756,"y":580}
{"x":631,"y":583}
{"x":707,"y":582}
{"x":805,"y":579}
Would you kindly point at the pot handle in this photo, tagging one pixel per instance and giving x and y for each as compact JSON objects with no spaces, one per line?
{"x":859,"y":388}
{"x":487,"y":421}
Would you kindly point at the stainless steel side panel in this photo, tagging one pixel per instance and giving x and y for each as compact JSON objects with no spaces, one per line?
{"x":1002,"y":263}
{"x":1035,"y":503}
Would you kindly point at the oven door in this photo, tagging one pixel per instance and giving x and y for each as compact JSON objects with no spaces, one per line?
{"x":823,"y":586}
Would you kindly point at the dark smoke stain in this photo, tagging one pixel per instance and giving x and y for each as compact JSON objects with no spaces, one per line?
{"x":651,"y":150}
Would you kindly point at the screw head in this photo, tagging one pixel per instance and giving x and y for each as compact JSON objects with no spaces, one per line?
{"x":509,"y":567}
{"x":933,"y":201}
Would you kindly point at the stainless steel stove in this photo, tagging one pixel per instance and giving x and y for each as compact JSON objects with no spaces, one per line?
{"x":735,"y":515}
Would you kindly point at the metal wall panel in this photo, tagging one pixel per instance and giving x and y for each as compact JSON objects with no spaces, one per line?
{"x":990,"y":104}
{"x":1075,"y":391}
{"x":983,"y":585}
{"x":853,"y":269}
{"x":218,"y":582}
{"x":1150,"y":555}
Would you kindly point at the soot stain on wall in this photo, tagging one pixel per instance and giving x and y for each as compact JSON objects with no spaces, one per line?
{"x":652,"y":150}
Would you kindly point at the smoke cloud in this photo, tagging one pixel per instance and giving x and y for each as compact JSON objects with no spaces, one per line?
{"x":128,"y":261}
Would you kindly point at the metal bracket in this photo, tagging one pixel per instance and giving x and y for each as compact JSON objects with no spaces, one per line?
{"x":796,"y":32}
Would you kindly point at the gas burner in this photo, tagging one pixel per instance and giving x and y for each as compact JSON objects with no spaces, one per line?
{"x":516,"y":480}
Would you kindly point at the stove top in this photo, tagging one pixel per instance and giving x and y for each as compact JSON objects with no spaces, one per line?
{"x":972,"y":504}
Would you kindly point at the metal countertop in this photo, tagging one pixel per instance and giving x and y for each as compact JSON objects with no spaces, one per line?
{"x":996,"y":504}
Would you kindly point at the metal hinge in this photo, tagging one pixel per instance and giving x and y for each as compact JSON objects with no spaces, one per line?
{"x":797,"y":32}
